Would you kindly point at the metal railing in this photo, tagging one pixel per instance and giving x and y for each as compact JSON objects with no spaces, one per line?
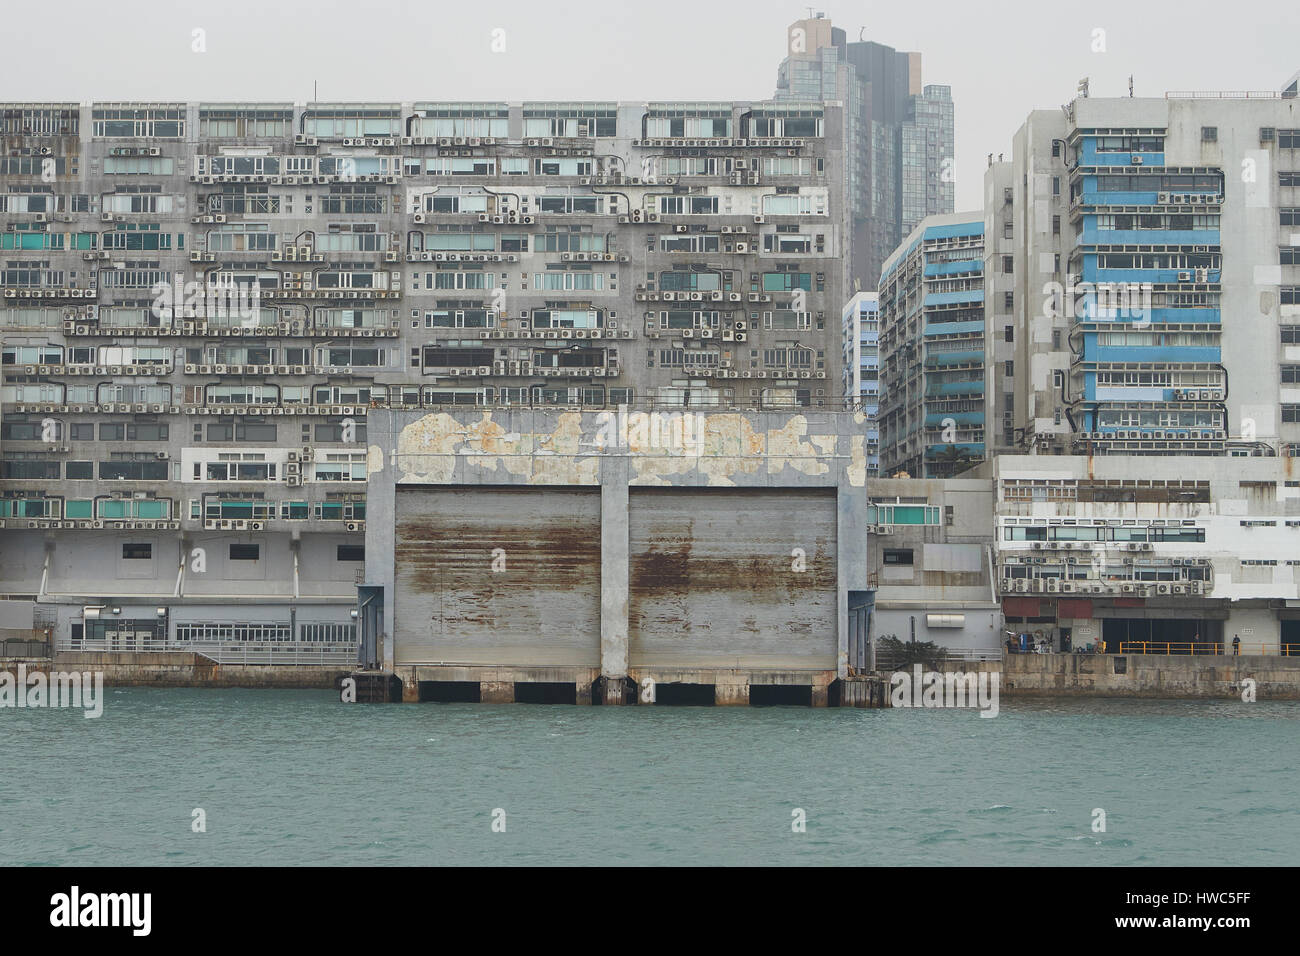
{"x":11,"y":649}
{"x":300,"y":653}
{"x":886,"y":661}
{"x":1225,"y":95}
{"x":1207,"y":648}
{"x":279,"y":653}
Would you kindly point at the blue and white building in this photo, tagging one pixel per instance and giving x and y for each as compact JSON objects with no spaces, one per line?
{"x":1154,"y":267}
{"x":932,"y":344}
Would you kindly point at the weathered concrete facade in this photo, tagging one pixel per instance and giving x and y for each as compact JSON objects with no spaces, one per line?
{"x":574,"y":547}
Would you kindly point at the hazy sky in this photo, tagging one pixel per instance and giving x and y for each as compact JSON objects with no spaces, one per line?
{"x":1001,"y":59}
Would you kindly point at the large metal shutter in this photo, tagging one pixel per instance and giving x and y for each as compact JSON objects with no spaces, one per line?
{"x":543,"y":610}
{"x":712,"y":583}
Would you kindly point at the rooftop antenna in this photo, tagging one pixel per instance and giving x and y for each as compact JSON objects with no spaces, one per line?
{"x":1130,"y":85}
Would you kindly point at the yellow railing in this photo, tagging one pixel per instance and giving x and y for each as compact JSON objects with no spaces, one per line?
{"x":1187,"y":647}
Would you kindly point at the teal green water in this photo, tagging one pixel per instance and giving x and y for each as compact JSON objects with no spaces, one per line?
{"x":294,"y":777}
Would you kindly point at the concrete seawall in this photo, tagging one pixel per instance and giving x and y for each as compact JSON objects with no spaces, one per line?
{"x":1142,"y":675}
{"x":177,"y":669}
{"x":1023,"y":675}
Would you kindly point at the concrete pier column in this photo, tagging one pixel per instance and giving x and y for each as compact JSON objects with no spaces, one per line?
{"x":410,"y":686}
{"x":613,"y":572}
{"x":731,"y":695}
{"x":615,"y":692}
{"x":496,"y":692}
{"x":821,"y":695}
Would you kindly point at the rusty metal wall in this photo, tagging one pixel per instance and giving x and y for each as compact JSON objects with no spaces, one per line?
{"x":712,"y":579}
{"x":543,"y":609}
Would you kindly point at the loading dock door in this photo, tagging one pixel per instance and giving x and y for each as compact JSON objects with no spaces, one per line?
{"x":497,"y":576}
{"x":713,"y":580}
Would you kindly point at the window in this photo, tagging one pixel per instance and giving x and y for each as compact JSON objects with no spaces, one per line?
{"x":1056,"y":185}
{"x":902,"y":556}
{"x":1056,"y":225}
{"x":1008,"y":300}
{"x":137,"y":552}
{"x":1209,"y":134}
{"x":1009,"y":369}
{"x":245,"y":552}
{"x":352,"y":552}
{"x":1007,"y":264}
{"x":1008,"y":333}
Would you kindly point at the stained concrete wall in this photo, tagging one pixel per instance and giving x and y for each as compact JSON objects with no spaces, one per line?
{"x":619,"y":452}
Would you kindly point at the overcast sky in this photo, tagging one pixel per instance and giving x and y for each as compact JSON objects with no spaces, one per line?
{"x":1001,"y":59}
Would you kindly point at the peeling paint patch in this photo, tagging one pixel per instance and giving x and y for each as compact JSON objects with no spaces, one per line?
{"x":565,"y":448}
{"x":857,"y":469}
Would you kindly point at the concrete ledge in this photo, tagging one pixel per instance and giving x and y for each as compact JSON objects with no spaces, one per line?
{"x":183,"y":669}
{"x":1141,"y":675}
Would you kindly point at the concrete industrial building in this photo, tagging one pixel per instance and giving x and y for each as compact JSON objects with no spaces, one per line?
{"x":899,"y":133}
{"x":932,"y":412}
{"x":202,"y":302}
{"x":930,"y":564}
{"x":1178,"y":555}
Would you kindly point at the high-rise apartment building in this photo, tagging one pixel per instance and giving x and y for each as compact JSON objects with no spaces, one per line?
{"x":1151,"y":264}
{"x":201,"y":301}
{"x":932,"y":344}
{"x":899,"y":133}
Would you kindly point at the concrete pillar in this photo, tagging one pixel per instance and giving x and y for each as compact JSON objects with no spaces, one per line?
{"x":496,"y":692}
{"x":731,"y":695}
{"x":850,"y":557}
{"x":381,"y":499}
{"x":410,"y":686}
{"x":613,"y":567}
{"x":821,"y":695}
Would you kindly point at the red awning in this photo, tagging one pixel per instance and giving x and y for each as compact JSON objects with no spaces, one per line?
{"x":1020,"y":606}
{"x":1074,"y":609}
